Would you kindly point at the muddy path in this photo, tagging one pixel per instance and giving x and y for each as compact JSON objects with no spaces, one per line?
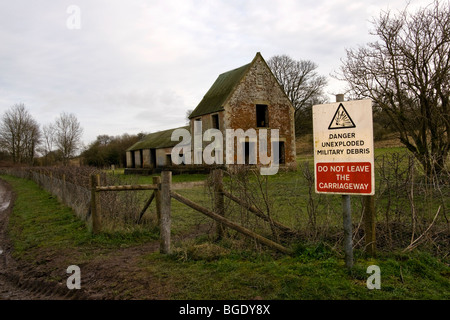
{"x":14,"y":285}
{"x":112,"y":275}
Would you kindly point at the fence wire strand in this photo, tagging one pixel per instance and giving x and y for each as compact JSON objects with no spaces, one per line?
{"x":411,"y":208}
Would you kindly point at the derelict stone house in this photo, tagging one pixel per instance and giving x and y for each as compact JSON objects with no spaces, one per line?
{"x":245,"y":98}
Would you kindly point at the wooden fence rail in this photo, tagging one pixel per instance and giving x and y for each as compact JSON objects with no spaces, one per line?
{"x":164,"y":191}
{"x":258,"y":212}
{"x":230,"y":223}
{"x":127,"y":187}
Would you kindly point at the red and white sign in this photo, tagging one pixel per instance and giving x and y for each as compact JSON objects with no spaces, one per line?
{"x":344,"y":177}
{"x":343,"y":148}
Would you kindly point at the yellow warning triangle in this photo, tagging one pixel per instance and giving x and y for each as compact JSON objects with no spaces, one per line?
{"x":341,"y":119}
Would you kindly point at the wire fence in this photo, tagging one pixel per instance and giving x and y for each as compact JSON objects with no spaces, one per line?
{"x":411,"y":208}
{"x":70,"y":185}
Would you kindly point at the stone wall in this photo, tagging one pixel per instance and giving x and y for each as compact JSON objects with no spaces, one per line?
{"x":260,"y":87}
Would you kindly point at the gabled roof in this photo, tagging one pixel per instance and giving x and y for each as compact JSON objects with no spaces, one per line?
{"x":224,"y":86}
{"x":216,"y":96}
{"x":157,"y":140}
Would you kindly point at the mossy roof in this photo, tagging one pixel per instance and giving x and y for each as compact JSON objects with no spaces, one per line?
{"x":216,"y":96}
{"x":156,"y":140}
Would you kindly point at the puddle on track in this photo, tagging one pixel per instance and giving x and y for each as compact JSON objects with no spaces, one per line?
{"x":5,"y":199}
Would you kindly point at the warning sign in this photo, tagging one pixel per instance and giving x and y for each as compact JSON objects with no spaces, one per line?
{"x":341,"y":119}
{"x":343,"y":147}
{"x":344,"y":177}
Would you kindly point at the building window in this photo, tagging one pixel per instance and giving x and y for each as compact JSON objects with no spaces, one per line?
{"x":262,"y":115}
{"x":215,"y":121}
{"x":168,"y":160}
{"x":249,"y":152}
{"x":133,"y":159}
{"x":281,"y":157}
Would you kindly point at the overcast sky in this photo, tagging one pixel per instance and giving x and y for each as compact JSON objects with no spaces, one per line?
{"x":138,"y":66}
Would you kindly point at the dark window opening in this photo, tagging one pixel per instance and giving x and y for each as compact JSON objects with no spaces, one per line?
{"x":141,"y":156}
{"x":281,"y":157}
{"x":249,"y":153}
{"x":215,"y":121}
{"x":133,"y":160}
{"x":153,"y":157}
{"x":262,"y":115}
{"x":168,"y":160}
{"x":246,"y":152}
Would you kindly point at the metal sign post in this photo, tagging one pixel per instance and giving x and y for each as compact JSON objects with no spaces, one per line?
{"x":347,"y":217}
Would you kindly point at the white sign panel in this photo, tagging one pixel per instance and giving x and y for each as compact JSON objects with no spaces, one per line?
{"x":343,"y":148}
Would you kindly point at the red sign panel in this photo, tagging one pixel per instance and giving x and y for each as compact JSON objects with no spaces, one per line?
{"x":344,"y":177}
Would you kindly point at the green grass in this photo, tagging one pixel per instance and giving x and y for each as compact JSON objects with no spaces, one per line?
{"x":40,"y":221}
{"x":311,"y":274}
{"x":220,"y":271}
{"x":291,"y":202}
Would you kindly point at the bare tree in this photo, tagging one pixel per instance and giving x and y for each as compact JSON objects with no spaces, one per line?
{"x":19,"y":134}
{"x":48,"y":138}
{"x":68,"y":132}
{"x":407,"y":75}
{"x":302,"y":84}
{"x":47,"y":144}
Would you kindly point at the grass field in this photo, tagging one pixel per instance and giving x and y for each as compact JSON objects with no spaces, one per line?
{"x":400,"y":198}
{"x":232,"y":268}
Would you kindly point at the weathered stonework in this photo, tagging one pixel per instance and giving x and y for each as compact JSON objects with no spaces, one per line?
{"x":257,"y":87}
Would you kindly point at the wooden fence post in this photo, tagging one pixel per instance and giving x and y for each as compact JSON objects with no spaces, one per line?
{"x":370,"y":224}
{"x":95,"y":214}
{"x":157,"y":181}
{"x":219,"y":206}
{"x":166,"y":181}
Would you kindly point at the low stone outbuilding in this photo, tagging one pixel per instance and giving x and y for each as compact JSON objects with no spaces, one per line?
{"x":152,"y":152}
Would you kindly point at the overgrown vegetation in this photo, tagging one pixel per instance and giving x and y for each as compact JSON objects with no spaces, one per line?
{"x":412,"y":209}
{"x":199,"y":269}
{"x":412,"y":234}
{"x":39,"y":221}
{"x":109,"y":150}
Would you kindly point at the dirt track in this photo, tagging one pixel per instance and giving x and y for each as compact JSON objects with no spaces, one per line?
{"x":113,"y":274}
{"x":14,"y":283}
{"x":9,"y":289}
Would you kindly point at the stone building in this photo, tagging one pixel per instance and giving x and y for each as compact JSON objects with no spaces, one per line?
{"x":152,"y":152}
{"x":245,"y":98}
